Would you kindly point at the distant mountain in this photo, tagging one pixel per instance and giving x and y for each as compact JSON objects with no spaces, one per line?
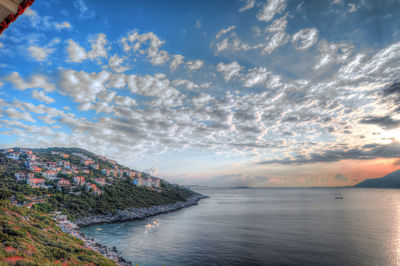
{"x":391,"y":180}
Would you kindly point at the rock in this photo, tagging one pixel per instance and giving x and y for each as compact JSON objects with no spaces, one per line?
{"x":137,"y":213}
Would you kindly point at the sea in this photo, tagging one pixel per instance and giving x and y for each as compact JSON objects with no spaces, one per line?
{"x":266,"y":226}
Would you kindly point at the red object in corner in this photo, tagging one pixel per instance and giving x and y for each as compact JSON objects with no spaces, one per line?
{"x":21,"y":8}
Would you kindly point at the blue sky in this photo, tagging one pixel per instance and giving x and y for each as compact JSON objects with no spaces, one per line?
{"x":254,"y":92}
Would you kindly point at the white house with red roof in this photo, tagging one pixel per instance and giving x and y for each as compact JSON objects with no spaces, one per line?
{"x":79,"y":180}
{"x":22,"y":176}
{"x":49,"y":174}
{"x":36,"y":182}
{"x":100,"y":181}
{"x":63,"y":183}
{"x":35,"y":168}
{"x":94,"y":189}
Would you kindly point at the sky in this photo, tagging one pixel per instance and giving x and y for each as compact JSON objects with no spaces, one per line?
{"x":257,"y":93}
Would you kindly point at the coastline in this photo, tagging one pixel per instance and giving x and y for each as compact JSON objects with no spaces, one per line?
{"x":132,"y":214}
{"x":126,"y":215}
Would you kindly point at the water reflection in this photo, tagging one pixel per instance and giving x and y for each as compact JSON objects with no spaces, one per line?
{"x":267,"y":226}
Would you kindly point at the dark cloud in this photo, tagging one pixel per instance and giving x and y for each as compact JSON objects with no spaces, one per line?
{"x":340,"y":177}
{"x":385,"y":122}
{"x":239,"y":180}
{"x":392,"y":89}
{"x":366,"y":152}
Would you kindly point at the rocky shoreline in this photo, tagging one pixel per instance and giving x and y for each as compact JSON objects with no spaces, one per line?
{"x":132,"y":214}
{"x":111,"y":254}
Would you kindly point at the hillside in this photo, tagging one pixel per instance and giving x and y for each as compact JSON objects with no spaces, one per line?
{"x":30,"y":238}
{"x":79,"y":183}
{"x":391,"y":180}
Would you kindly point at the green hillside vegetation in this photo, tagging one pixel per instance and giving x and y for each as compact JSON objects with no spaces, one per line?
{"x":120,"y":194}
{"x":28,"y":237}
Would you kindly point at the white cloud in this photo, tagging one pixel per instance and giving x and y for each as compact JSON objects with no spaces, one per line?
{"x":83,"y":87}
{"x":124,"y":101}
{"x":352,"y":8}
{"x":332,"y":53}
{"x":62,"y":25}
{"x":278,"y":25}
{"x":277,"y":40}
{"x":224,"y":31}
{"x":99,"y":47}
{"x":115,"y":63}
{"x":76,"y":53}
{"x":158,"y":58}
{"x":146,"y":43}
{"x":198,"y":24}
{"x":270,"y":9}
{"x":117,"y":81}
{"x":15,"y":114}
{"x":41,"y":96}
{"x":249,"y":5}
{"x":229,"y":70}
{"x":30,"y":12}
{"x":176,"y":61}
{"x":260,"y":76}
{"x":40,"y":53}
{"x":36,"y":81}
{"x":187,"y":83}
{"x":84,"y":11}
{"x":305,"y":38}
{"x":194,"y":65}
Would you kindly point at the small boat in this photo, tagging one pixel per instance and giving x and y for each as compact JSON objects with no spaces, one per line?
{"x":339,"y":197}
{"x":99,"y":229}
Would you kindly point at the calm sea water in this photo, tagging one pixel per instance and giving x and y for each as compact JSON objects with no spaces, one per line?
{"x":305,"y":226}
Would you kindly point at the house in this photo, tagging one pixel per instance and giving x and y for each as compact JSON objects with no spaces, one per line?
{"x":22,"y":176}
{"x":87,"y":162}
{"x":155,"y":182}
{"x":49,"y":174}
{"x":106,"y":172}
{"x":100,"y":181}
{"x":32,"y":157}
{"x":35,"y":169}
{"x":29,"y":164}
{"x":36,"y":182}
{"x":94,"y":166}
{"x":13,"y":155}
{"x":79,"y":179}
{"x":63,"y":163}
{"x":131,"y":174}
{"x":63,"y":183}
{"x":93,"y":188}
{"x":84,"y":171}
{"x":51,"y":164}
{"x":55,"y":169}
{"x":113,"y":172}
{"x":140,"y":182}
{"x":66,"y":172}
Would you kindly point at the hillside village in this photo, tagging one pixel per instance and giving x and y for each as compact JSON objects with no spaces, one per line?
{"x":73,"y":172}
